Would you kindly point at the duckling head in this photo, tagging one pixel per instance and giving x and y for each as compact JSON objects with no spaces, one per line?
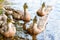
{"x":43,"y":5}
{"x":25,"y":6}
{"x":35,"y":19}
{"x":9,"y":20}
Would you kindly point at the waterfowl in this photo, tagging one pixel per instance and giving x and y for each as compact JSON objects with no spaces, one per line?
{"x":44,"y":10}
{"x":34,"y":28}
{"x":11,"y":30}
{"x":18,"y":14}
{"x":8,"y":29}
{"x":26,"y":14}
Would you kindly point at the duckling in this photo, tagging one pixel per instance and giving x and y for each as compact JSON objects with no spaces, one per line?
{"x":44,"y":10}
{"x":8,"y":29}
{"x":39,"y":12}
{"x":34,"y":28}
{"x":26,"y":14}
{"x":18,"y":14}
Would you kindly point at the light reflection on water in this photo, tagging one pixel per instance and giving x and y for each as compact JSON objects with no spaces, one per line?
{"x":53,"y":25}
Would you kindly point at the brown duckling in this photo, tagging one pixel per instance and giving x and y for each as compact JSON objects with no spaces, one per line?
{"x":44,"y":10}
{"x":35,"y":28}
{"x":39,"y":12}
{"x":18,"y":14}
{"x":8,"y":29}
{"x":11,"y":30}
{"x":26,"y":14}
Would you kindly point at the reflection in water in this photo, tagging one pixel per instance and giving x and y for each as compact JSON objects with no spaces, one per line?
{"x":51,"y":37}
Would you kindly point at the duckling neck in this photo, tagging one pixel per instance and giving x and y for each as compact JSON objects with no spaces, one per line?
{"x":34,"y":25}
{"x":25,"y":10}
{"x":42,"y":9}
{"x":9,"y":25}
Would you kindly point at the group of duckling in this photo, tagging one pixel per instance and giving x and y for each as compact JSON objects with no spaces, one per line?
{"x":10,"y":15}
{"x":36,"y":28}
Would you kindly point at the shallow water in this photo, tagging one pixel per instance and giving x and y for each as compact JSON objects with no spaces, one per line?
{"x":52,"y":28}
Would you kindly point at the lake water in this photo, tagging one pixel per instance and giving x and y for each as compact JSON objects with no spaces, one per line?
{"x":52,"y":31}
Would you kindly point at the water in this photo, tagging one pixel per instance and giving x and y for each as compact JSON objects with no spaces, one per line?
{"x":52,"y":30}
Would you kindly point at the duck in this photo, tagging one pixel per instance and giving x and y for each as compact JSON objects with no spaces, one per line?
{"x":34,"y":28}
{"x":8,"y":29}
{"x":11,"y":30}
{"x":26,"y":14}
{"x":18,"y":14}
{"x":45,"y":9}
